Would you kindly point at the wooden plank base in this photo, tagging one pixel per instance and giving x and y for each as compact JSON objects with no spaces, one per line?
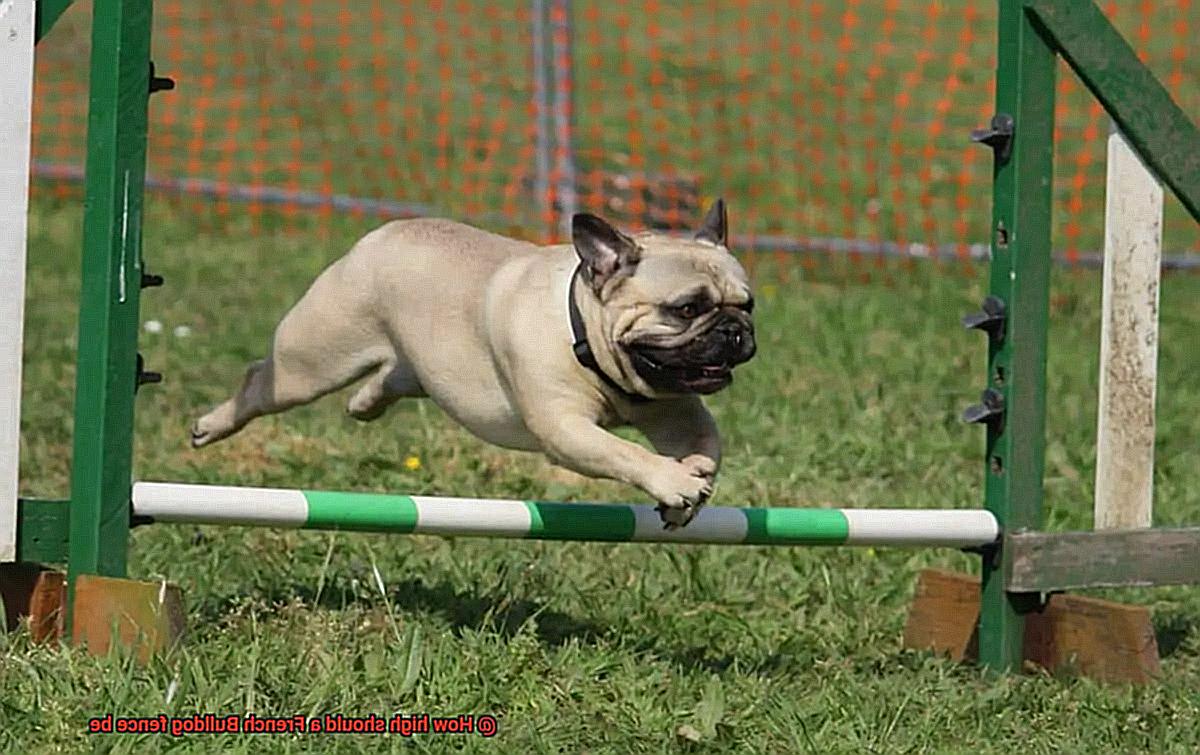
{"x":1056,"y":561}
{"x":147,"y":617}
{"x":1095,"y":638}
{"x":33,"y":591}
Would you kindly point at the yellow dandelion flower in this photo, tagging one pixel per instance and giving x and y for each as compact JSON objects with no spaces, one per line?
{"x":412,"y":463}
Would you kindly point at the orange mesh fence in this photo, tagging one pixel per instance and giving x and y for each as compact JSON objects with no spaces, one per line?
{"x":835,"y":129}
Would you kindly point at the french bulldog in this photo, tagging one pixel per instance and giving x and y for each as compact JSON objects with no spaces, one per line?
{"x":535,"y":348}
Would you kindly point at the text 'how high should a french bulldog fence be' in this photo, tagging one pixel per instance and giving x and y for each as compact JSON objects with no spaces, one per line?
{"x":831,"y":127}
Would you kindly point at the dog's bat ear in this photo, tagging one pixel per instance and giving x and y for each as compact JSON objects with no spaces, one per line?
{"x":715,"y":227}
{"x":604,"y":251}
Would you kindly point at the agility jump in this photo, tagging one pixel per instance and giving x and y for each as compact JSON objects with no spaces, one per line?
{"x":89,"y":531}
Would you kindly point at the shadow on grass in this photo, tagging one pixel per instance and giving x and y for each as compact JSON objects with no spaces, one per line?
{"x":1172,"y":632}
{"x":501,"y":614}
{"x":504,"y":615}
{"x":463,"y":610}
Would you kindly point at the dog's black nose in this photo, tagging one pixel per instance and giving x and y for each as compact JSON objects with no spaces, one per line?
{"x":738,"y":336}
{"x":745,"y":345}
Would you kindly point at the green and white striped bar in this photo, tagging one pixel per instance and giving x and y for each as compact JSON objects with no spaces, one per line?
{"x":483,"y":517}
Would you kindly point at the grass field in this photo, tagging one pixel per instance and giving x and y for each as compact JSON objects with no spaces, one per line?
{"x":853,"y":400}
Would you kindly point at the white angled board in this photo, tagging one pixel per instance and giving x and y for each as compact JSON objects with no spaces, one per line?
{"x":16,"y":94}
{"x":1128,"y":341}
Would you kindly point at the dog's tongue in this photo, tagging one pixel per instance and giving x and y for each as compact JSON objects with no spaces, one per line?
{"x":718,"y":369}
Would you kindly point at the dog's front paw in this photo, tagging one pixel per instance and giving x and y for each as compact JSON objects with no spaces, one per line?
{"x":681,"y":489}
{"x":701,"y":465}
{"x":674,"y":518}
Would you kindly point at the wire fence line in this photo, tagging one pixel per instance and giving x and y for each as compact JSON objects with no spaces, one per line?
{"x":832,"y":128}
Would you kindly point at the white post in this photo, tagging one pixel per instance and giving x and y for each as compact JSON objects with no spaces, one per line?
{"x":561,"y":58}
{"x":1128,"y":341}
{"x":16,"y":92}
{"x":541,"y":107}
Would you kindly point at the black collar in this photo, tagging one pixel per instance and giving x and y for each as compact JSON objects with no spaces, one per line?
{"x":583,"y":350}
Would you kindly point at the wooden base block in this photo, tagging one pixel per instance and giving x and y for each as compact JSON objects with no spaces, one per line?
{"x":1096,"y":638}
{"x":34,"y":591}
{"x":145,"y":616}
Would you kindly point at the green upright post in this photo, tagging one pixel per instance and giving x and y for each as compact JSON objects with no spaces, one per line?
{"x":108,"y":318}
{"x":1020,"y":270}
{"x":48,"y":12}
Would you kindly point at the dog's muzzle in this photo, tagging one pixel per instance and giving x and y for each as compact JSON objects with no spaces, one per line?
{"x":702,"y":365}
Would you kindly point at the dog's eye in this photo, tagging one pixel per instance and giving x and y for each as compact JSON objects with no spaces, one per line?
{"x":689,"y":311}
{"x":748,"y":306}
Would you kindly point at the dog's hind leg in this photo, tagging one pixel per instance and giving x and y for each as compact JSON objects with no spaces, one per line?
{"x":312,"y":354}
{"x":389,"y":383}
{"x":268,"y":389}
{"x":234,"y":413}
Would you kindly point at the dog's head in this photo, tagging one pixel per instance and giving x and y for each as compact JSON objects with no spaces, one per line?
{"x":674,"y":312}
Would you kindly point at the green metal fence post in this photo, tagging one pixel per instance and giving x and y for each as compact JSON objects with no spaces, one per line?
{"x":1163,"y":134}
{"x":1020,"y":271}
{"x":108,"y":317}
{"x":48,"y":12}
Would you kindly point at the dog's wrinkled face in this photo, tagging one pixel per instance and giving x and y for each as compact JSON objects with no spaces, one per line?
{"x":676,"y":311}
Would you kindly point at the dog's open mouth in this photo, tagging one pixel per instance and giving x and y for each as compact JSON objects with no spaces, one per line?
{"x":710,"y":379}
{"x":692,"y":378}
{"x":702,"y":364}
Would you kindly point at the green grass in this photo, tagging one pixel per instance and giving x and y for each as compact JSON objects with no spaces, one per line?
{"x":853,"y":400}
